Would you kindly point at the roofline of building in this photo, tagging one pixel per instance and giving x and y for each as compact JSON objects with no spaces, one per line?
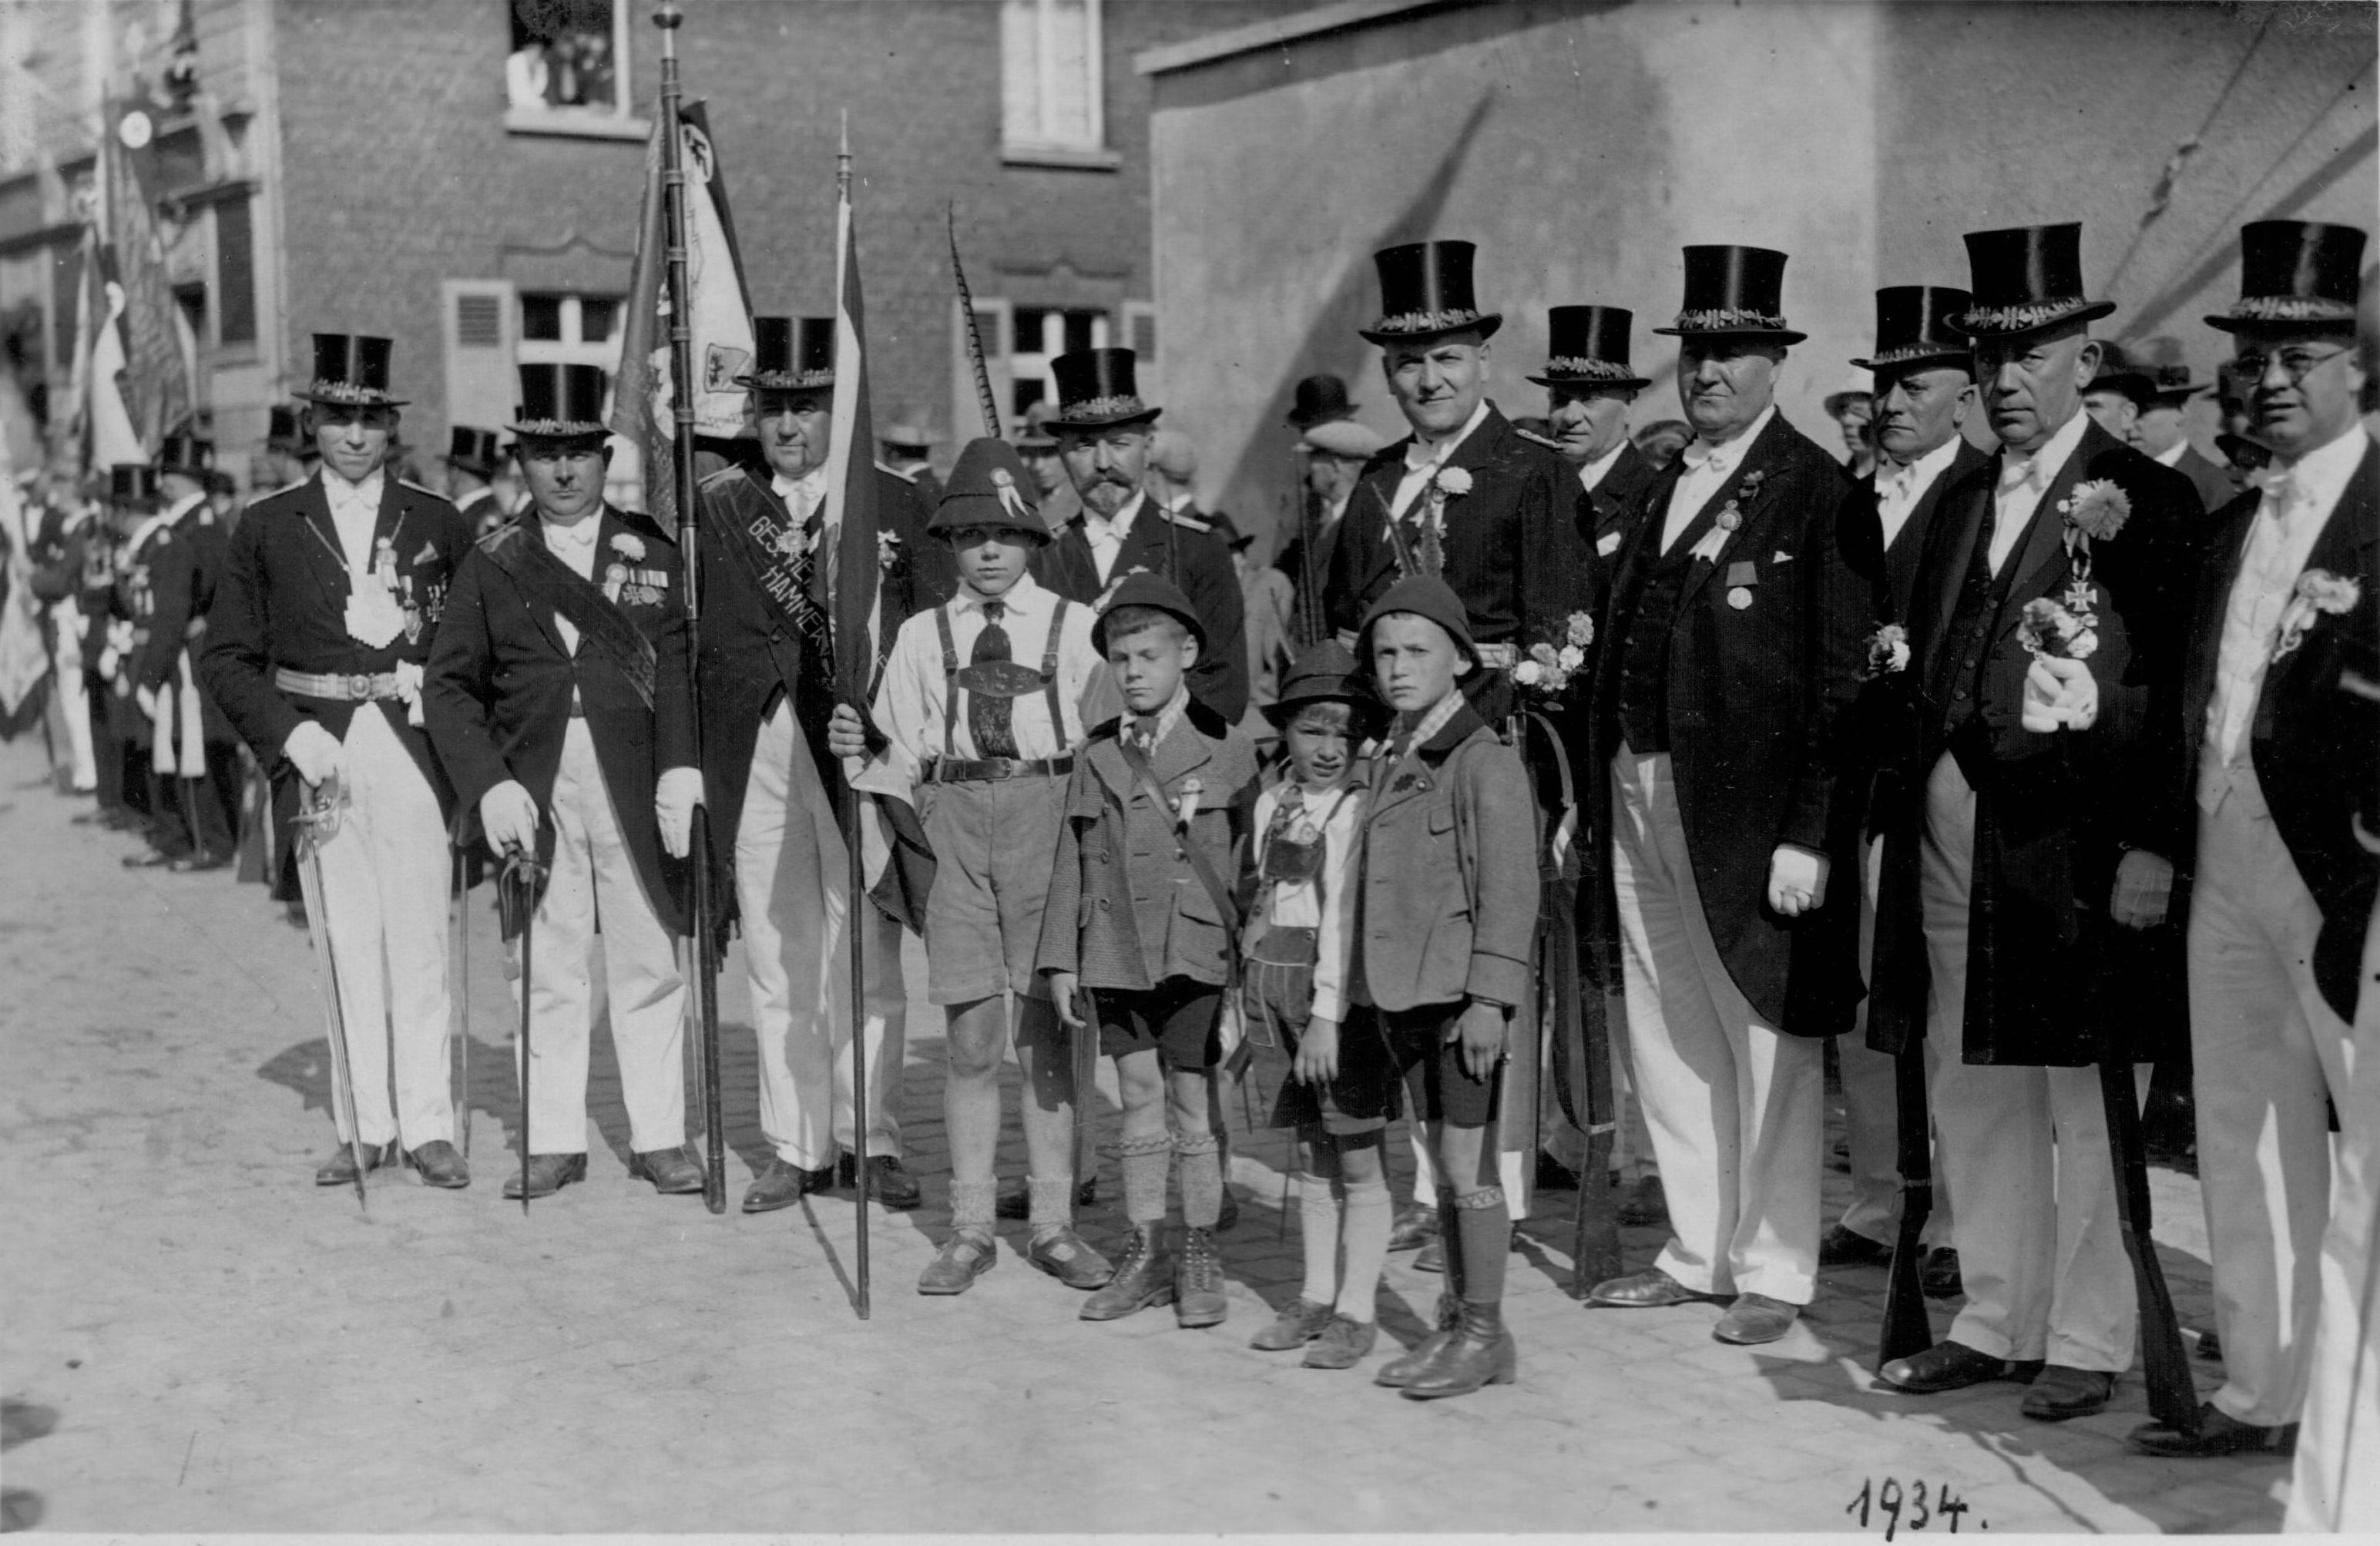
{"x":1340,"y":16}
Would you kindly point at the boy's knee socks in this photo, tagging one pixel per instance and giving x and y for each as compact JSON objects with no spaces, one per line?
{"x":1484,"y":1237}
{"x":1145,"y":1162}
{"x":971,"y":1206}
{"x":1049,"y":1203}
{"x":1369,"y":1217}
{"x":1317,"y":1231}
{"x":1202,"y":1178}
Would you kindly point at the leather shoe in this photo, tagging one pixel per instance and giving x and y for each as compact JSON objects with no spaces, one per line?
{"x":1400,"y":1371}
{"x":1343,"y":1345}
{"x":1480,"y":1352}
{"x":1198,"y":1299}
{"x":547,"y":1175}
{"x":1293,"y":1327}
{"x":1016,"y":1202}
{"x":1431,"y":1258}
{"x":1142,"y":1279}
{"x":1416,"y":1225}
{"x":673,"y":1172}
{"x":1067,"y":1257}
{"x":2218,"y":1433}
{"x":2063,"y":1391}
{"x":890,"y":1185}
{"x":1754,"y":1319}
{"x":151,"y":859}
{"x":339,"y":1170}
{"x":1937,"y":1278}
{"x":1848,"y":1248}
{"x":784,"y":1184}
{"x":964,"y":1257}
{"x":1645,"y":1204}
{"x":198,"y":864}
{"x":1650,"y":1289}
{"x":440,"y":1165}
{"x":1949,"y":1365}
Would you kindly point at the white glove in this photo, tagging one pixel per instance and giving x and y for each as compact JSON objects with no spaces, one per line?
{"x":314,"y":751}
{"x":2059,"y":693}
{"x":844,"y":735}
{"x":1797,"y":880}
{"x":675,"y":798}
{"x":146,"y":699}
{"x":509,"y":814}
{"x":2143,"y":888}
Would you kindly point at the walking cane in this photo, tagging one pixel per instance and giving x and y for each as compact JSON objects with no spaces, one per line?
{"x":318,"y":819}
{"x":521,"y":872}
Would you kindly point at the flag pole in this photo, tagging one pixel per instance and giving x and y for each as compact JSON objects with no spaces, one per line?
{"x":855,"y":878}
{"x":668,"y":17}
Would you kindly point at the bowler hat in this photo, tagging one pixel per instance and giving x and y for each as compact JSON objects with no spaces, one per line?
{"x":1733,"y":292}
{"x":2119,"y":371}
{"x":791,"y":354}
{"x":2169,"y":373}
{"x":351,"y":371}
{"x":1912,"y":326}
{"x":1318,"y":400}
{"x":1423,"y":596}
{"x":1099,"y":388}
{"x":2296,"y":273}
{"x":474,"y":450}
{"x":1146,"y":589}
{"x":559,"y":403}
{"x":132,"y":485}
{"x":2026,"y":278}
{"x":989,"y":486}
{"x":1426,"y":291}
{"x":1588,"y":346}
{"x":1326,"y":672}
{"x":184,"y":451}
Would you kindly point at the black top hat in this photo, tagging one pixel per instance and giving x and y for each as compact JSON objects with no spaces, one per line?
{"x":1913,"y":326}
{"x":1588,"y":346}
{"x":132,"y":485}
{"x":1326,"y":672}
{"x":1318,"y":400}
{"x":351,"y":371}
{"x":1142,"y":588}
{"x":1426,"y":291}
{"x":184,"y":451}
{"x":559,"y":403}
{"x":989,"y":486}
{"x":791,"y":354}
{"x":1099,"y":388}
{"x":2297,"y":273}
{"x":474,"y":450}
{"x":1734,"y":292}
{"x":282,"y":431}
{"x":2027,"y":278}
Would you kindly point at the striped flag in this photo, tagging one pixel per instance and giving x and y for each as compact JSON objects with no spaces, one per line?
{"x":157,"y":390}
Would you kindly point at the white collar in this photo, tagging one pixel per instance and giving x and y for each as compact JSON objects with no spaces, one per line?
{"x":1425,"y":452}
{"x":1925,"y":469}
{"x":1592,"y":474}
{"x":1720,"y":456}
{"x":1119,"y":525}
{"x":339,"y":489}
{"x":579,"y":534}
{"x":2323,"y":473}
{"x":2054,"y":452}
{"x":810,"y":485}
{"x":2171,"y":455}
{"x":1023,"y":600}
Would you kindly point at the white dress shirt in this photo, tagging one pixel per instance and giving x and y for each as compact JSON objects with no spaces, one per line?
{"x":1899,"y":486}
{"x":1708,"y":467}
{"x":2171,"y":455}
{"x":1326,"y":903}
{"x":2295,"y":507}
{"x":1107,"y":534}
{"x":803,"y":496}
{"x":2023,"y":479}
{"x":355,"y":510}
{"x":911,"y":703}
{"x":1592,"y":474}
{"x":574,"y":545}
{"x":1423,"y":458}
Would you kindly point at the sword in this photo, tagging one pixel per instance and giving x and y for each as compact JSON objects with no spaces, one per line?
{"x":522,"y":872}
{"x":458,"y":979}
{"x":318,"y":820}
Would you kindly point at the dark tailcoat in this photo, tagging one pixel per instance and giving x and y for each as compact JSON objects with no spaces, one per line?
{"x":1606,"y":510}
{"x":2053,"y":811}
{"x":1758,"y":712}
{"x":2211,"y":479}
{"x":183,"y":575}
{"x":282,"y":602}
{"x":1515,"y":553}
{"x":502,"y":679}
{"x":1183,"y":548}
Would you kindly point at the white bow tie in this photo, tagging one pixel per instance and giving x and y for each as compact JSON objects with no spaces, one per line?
{"x":1702,"y":454}
{"x":1896,"y":482}
{"x":2023,"y":473}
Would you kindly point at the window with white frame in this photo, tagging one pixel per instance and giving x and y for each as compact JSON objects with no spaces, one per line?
{"x":1049,"y":65}
{"x":567,"y":70}
{"x":558,"y":328}
{"x":1038,"y":335}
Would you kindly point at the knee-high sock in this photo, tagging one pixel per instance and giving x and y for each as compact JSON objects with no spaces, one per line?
{"x":1369,"y":1217}
{"x":1317,"y":1229}
{"x":971,"y":1206}
{"x":1486,"y":1235}
{"x":1049,"y":1203}
{"x":1146,"y":1161}
{"x":1202,"y":1178}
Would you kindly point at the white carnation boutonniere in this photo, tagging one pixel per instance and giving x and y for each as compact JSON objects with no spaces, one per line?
{"x":1549,"y":667}
{"x":1888,"y":650}
{"x":888,"y":552}
{"x":2317,"y":591}
{"x":629,"y":546}
{"x":2096,"y":511}
{"x":1450,"y":483}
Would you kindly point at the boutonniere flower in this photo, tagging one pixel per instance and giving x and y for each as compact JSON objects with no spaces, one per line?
{"x":1187,"y":805}
{"x":384,"y":561}
{"x":2096,"y":511}
{"x":2049,"y":629}
{"x":1451,"y":482}
{"x":2316,"y":592}
{"x":1888,"y":650}
{"x":1548,"y":666}
{"x":629,"y":546}
{"x":888,"y":550}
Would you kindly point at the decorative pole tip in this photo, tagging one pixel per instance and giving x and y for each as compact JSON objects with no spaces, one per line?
{"x":846,"y":120}
{"x":667,"y":15}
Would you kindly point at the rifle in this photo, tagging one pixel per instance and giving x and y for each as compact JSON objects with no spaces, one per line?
{"x":704,"y":999}
{"x":2173,"y":1394}
{"x":1908,"y":1331}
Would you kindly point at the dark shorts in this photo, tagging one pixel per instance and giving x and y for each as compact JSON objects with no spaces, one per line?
{"x":1432,"y":1066}
{"x":1177,"y":1018}
{"x":1361,"y":1097}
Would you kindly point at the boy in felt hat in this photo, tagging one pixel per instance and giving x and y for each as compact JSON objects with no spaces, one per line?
{"x":989,"y":746}
{"x":1140,"y":916}
{"x":1296,"y":951}
{"x":1445,"y":931}
{"x":321,"y":624}
{"x":540,"y":700}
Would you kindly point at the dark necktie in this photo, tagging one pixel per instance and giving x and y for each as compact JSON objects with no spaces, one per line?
{"x":989,"y":717}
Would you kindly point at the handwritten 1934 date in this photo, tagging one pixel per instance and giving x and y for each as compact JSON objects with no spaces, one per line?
{"x":1912,"y":1508}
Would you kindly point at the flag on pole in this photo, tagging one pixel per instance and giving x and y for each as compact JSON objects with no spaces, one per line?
{"x":644,"y":406}
{"x":851,"y":479}
{"x":108,"y":417}
{"x":157,"y":390}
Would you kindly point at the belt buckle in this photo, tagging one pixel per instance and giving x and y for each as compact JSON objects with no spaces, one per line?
{"x":1000,"y":768}
{"x":360,"y":686}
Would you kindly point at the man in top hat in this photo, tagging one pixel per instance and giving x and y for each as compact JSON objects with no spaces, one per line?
{"x":1105,"y":434}
{"x":1729,"y":660}
{"x":1925,"y":376}
{"x":770,"y":568}
{"x":321,"y":624}
{"x":908,"y":451}
{"x":1589,"y":386}
{"x":1319,"y":400}
{"x":2272,"y":765}
{"x":1335,"y":451}
{"x":539,"y":698}
{"x":2160,"y":429}
{"x":288,"y":456}
{"x":2012,"y":831}
{"x":473,"y":458}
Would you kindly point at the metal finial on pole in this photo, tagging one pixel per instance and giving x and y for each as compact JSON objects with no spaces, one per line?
{"x":843,"y":158}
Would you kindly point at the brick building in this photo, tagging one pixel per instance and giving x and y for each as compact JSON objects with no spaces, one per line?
{"x":464,"y":176}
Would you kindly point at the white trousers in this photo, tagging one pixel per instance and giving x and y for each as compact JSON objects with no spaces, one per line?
{"x":386,"y":879}
{"x":595,"y":880}
{"x":793,"y":890}
{"x":73,"y":695}
{"x":2336,"y":1486}
{"x":2041,"y":1246}
{"x":2266,"y":1052}
{"x":1871,"y":1105}
{"x":1735,"y":1108}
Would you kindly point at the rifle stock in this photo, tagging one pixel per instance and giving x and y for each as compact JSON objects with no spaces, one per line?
{"x":2173,"y":1391}
{"x":1595,"y":1252}
{"x":1908,"y":1331}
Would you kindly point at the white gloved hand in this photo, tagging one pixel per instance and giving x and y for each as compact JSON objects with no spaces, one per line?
{"x":146,"y":699}
{"x":846,"y":737}
{"x":509,"y":814}
{"x":675,"y":798}
{"x":2058,"y":694}
{"x":1797,"y":880}
{"x":2143,"y":890}
{"x":314,"y":751}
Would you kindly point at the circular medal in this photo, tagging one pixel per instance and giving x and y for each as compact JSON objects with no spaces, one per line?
{"x":615,"y":574}
{"x":1729,"y":519}
{"x":1740,"y":598}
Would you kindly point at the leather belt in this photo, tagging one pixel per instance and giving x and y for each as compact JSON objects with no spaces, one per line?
{"x":963,"y":770}
{"x":351,"y":687}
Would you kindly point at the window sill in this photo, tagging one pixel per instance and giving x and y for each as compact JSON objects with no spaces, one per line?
{"x":576,"y":124}
{"x":1080,"y":157}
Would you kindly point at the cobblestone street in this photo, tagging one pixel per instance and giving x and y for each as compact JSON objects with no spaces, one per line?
{"x":197,"y":1339}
